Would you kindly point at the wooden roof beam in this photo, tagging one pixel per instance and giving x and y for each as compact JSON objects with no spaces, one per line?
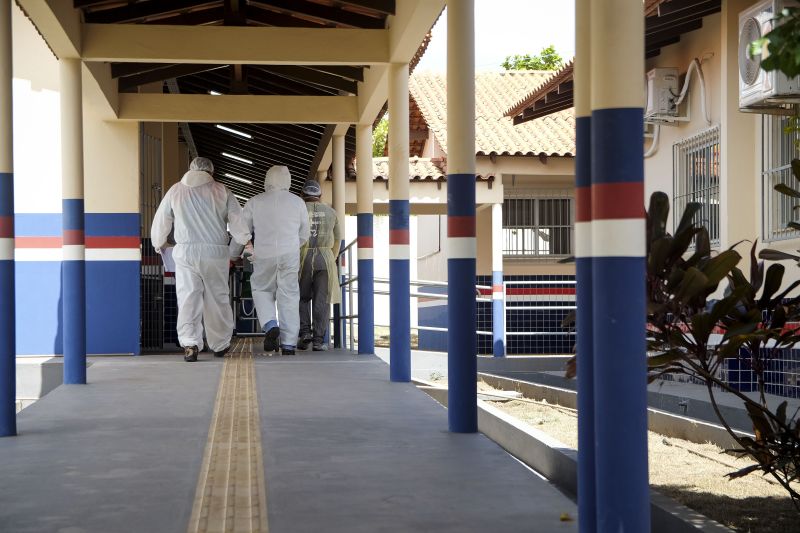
{"x":313,"y":76}
{"x":134,"y":43}
{"x":387,"y":7}
{"x":238,"y":108}
{"x":161,"y":74}
{"x":139,"y":10}
{"x":324,"y":13}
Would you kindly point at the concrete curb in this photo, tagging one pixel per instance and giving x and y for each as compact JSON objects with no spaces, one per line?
{"x":558,"y":463}
{"x":661,"y":422}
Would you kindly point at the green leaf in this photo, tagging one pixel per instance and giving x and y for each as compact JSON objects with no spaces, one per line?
{"x":720,"y":266}
{"x":692,"y":284}
{"x":664,"y":358}
{"x":796,"y":162}
{"x":780,"y":412}
{"x":788,"y":191}
{"x":777,"y":255}
{"x":772,"y":282}
{"x":702,"y":325}
{"x":657,"y":214}
{"x":727,"y":304}
{"x":659,"y":253}
{"x":692,"y":208}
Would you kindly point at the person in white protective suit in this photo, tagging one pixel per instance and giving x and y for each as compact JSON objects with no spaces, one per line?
{"x":279,"y":221}
{"x":199,"y":210}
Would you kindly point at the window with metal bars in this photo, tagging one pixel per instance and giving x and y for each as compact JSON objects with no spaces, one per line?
{"x":778,"y":148}
{"x":696,"y":178}
{"x":537,"y":227}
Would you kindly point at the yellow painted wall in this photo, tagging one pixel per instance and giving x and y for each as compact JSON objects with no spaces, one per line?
{"x":111,"y":160}
{"x":703,"y":44}
{"x":37,"y":125}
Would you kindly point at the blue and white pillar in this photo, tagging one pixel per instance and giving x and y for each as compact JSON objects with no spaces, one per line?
{"x":498,"y":292}
{"x":618,"y":265}
{"x":462,"y":346}
{"x":366,"y":267}
{"x":8,"y":347}
{"x":73,"y":266}
{"x":338,"y":194}
{"x":587,"y":495}
{"x":399,"y":266}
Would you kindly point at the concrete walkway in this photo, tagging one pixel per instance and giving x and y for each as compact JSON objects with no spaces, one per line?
{"x":344,"y":450}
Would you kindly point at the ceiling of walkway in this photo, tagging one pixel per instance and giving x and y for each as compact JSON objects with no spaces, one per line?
{"x":254,"y":147}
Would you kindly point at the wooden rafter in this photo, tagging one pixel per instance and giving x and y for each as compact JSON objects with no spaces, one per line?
{"x":324,"y":13}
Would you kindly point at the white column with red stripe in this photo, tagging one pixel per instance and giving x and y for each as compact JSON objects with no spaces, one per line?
{"x":462,"y":346}
{"x":73,"y":243}
{"x":366,"y":266}
{"x":617,"y":252}
{"x":399,"y":267}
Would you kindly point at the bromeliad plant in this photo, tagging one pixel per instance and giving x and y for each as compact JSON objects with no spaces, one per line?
{"x":748,"y":322}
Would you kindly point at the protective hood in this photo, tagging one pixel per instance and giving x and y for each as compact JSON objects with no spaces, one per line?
{"x":277,"y":179}
{"x":196,"y":178}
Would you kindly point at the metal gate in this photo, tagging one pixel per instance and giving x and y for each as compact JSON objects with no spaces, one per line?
{"x":152,"y":272}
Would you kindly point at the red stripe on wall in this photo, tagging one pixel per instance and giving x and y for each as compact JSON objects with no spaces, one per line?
{"x":73,"y":236}
{"x":112,"y":242}
{"x":37,"y":242}
{"x":6,"y":227}
{"x":535,"y":291}
{"x":365,"y":242}
{"x":398,"y":236}
{"x":460,"y":226}
{"x":618,"y":200}
{"x":583,"y":204}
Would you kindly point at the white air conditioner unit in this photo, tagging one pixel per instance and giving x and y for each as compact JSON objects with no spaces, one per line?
{"x":662,"y":92}
{"x":759,"y":89}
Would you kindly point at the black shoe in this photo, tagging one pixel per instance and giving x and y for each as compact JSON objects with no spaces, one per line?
{"x":190,"y":354}
{"x":222,"y":352}
{"x":271,"y":340}
{"x":287,"y":351}
{"x":304,"y":342}
{"x":319,"y":347}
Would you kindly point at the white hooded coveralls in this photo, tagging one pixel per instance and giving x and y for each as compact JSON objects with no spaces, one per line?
{"x":279,"y":221}
{"x":199,"y":209}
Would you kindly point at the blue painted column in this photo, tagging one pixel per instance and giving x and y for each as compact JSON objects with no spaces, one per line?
{"x":587,"y":495}
{"x":462,"y":346}
{"x":73,"y":267}
{"x":498,"y":292}
{"x":399,"y":266}
{"x":8,"y":348}
{"x":366,"y":267}
{"x":618,"y":265}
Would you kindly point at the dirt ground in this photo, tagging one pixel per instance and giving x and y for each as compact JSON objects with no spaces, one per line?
{"x":693,"y":474}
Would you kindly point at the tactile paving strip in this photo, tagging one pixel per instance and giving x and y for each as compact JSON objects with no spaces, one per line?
{"x":231,"y":492}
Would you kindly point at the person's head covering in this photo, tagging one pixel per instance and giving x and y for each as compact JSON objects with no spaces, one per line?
{"x":202,"y":163}
{"x":312,"y":188}
{"x":278,"y":178}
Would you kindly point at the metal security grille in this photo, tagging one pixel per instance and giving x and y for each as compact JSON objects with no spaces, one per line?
{"x":778,"y":148}
{"x":696,"y":179}
{"x":152,"y":279}
{"x":538,"y":227}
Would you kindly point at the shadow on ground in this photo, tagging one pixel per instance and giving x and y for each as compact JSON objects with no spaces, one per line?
{"x":754,"y":515}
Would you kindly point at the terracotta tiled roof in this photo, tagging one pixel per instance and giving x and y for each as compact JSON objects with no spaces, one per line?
{"x":564,"y":75}
{"x":419,"y":169}
{"x":495,"y":134}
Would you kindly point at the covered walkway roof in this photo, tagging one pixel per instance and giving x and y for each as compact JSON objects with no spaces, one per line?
{"x":327,"y":83}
